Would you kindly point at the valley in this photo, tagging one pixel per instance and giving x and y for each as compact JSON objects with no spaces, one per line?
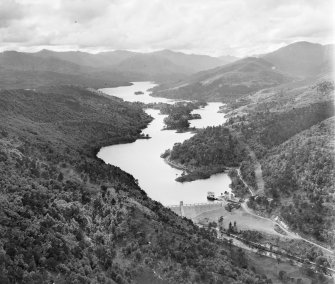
{"x":84,"y":220}
{"x":142,"y":158}
{"x":247,"y":219}
{"x":98,"y":150}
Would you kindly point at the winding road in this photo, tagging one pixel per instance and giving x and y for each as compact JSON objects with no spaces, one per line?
{"x":249,"y":211}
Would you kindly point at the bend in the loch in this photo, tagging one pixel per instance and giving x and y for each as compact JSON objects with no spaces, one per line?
{"x":142,"y":157}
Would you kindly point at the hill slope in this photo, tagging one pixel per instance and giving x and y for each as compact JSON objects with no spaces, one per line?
{"x":66,"y":217}
{"x":290,"y":134}
{"x":25,"y":70}
{"x":304,"y":167}
{"x":29,"y":62}
{"x":226,"y":83}
{"x":98,"y":60}
{"x":111,"y":60}
{"x":105,"y":69}
{"x":302,"y":59}
{"x":299,"y":62}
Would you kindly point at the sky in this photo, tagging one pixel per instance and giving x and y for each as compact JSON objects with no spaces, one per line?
{"x":213,"y":27}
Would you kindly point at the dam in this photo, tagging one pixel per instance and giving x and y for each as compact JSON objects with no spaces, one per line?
{"x":191,"y":211}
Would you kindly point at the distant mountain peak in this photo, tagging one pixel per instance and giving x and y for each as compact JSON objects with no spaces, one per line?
{"x":304,"y":43}
{"x":302,"y":59}
{"x":45,"y":50}
{"x":169,"y":51}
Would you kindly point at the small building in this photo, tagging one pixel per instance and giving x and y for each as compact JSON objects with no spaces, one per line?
{"x":211,"y":195}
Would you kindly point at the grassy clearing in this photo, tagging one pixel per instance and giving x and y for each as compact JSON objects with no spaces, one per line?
{"x":244,"y":220}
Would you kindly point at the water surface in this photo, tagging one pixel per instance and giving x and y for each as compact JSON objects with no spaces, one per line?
{"x":142,"y":157}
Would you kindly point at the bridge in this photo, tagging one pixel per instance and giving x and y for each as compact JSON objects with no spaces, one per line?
{"x":190,"y":211}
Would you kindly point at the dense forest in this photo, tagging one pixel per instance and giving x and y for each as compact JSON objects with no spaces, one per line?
{"x":264,"y":130}
{"x":210,"y":151}
{"x":297,"y":166}
{"x":69,"y":218}
{"x":301,"y":172}
{"x":179,"y":114}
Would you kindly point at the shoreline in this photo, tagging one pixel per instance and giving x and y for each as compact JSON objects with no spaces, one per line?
{"x":176,"y":165}
{"x":194,"y":174}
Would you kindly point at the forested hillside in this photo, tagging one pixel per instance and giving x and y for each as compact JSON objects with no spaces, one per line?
{"x":291,"y":136}
{"x":212,"y":145}
{"x":210,"y":151}
{"x":301,"y":172}
{"x":264,"y":130}
{"x":69,"y":218}
{"x":295,"y":150}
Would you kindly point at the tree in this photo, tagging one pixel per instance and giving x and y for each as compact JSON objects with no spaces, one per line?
{"x":325,"y":87}
{"x":220,"y":222}
{"x":230,"y":243}
{"x":321,"y":264}
{"x":60,"y":177}
{"x":282,"y":276}
{"x":240,"y":258}
{"x":307,"y":268}
{"x":278,"y":259}
{"x":230,"y":228}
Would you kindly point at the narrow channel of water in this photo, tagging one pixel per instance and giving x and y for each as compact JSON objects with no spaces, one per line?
{"x":142,"y":157}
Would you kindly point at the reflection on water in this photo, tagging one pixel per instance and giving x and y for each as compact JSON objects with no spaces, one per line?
{"x":142,"y":158}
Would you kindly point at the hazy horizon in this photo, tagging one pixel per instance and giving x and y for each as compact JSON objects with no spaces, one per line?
{"x":217,"y":27}
{"x":153,"y":51}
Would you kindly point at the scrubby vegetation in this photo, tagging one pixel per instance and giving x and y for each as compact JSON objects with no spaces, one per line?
{"x":66,"y":217}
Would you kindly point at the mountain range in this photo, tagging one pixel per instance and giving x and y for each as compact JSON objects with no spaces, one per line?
{"x":30,"y":70}
{"x":67,"y":217}
{"x":180,"y":75}
{"x":302,"y":59}
{"x":292,"y":63}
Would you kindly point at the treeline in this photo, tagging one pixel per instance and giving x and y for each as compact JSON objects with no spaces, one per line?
{"x":66,"y":217}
